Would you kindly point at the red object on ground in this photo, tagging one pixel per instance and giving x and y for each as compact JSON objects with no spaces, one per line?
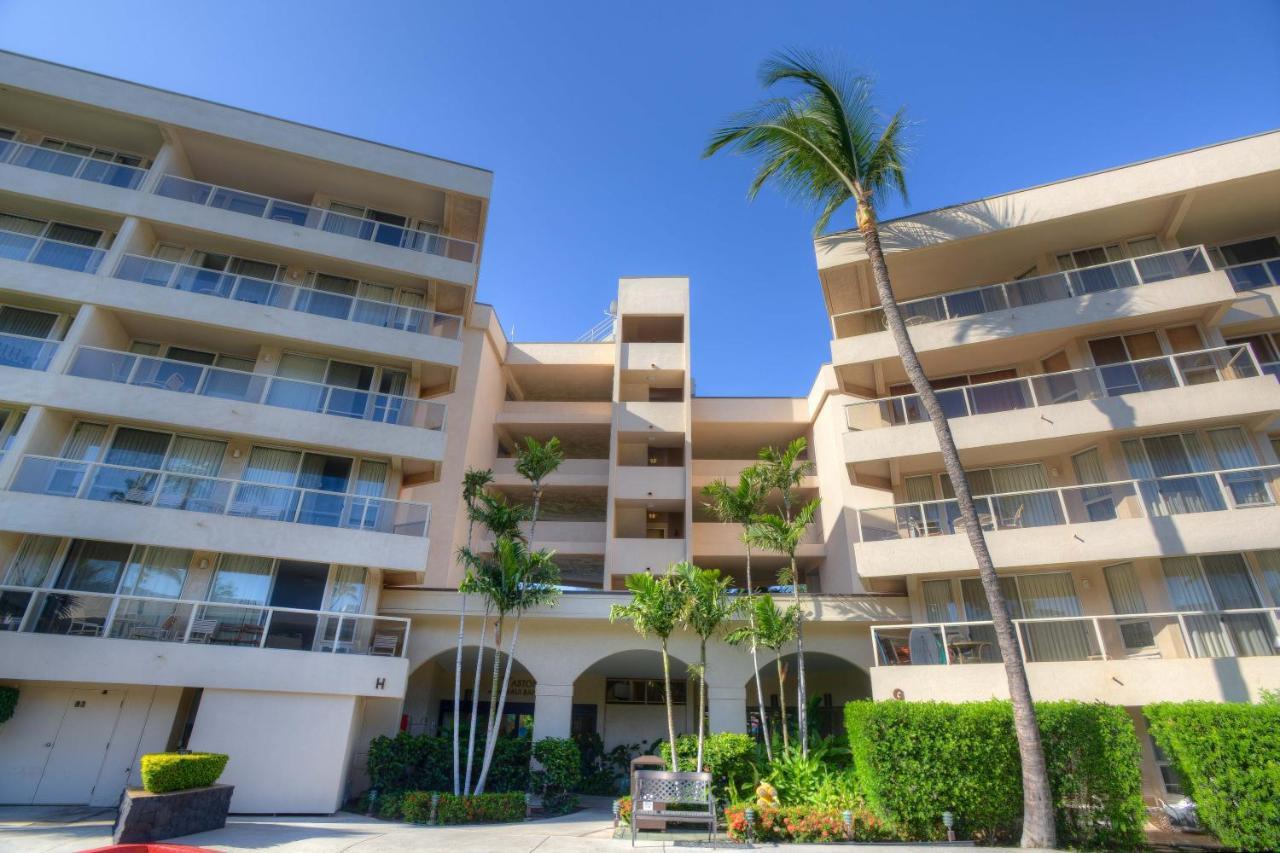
{"x":149,"y":848}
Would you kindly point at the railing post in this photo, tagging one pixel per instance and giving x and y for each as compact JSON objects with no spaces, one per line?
{"x":266,"y":627}
{"x":875,"y":646}
{"x":946,"y":653}
{"x":111,"y":616}
{"x":1062,"y":502}
{"x":337,"y":636}
{"x":191,"y":621}
{"x":1097,"y":630}
{"x":1224,"y":490}
{"x":1022,"y":646}
{"x":1187,"y":645}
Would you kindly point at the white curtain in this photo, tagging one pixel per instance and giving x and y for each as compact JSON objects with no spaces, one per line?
{"x":1171,"y":456}
{"x":939,"y":605}
{"x":31,"y":565}
{"x":156,"y":572}
{"x":196,"y":456}
{"x":1189,"y":591}
{"x":1228,"y":577}
{"x":1234,"y":450}
{"x":347,"y":594}
{"x":976,"y":610}
{"x":276,"y":471}
{"x":1269,"y":565}
{"x":1126,"y":593}
{"x":85,"y":442}
{"x":21,"y":321}
{"x":241,"y":579}
{"x":300,"y":394}
{"x":137,"y":448}
{"x":919,"y":489}
{"x":1021,"y":509}
{"x":1053,"y":595}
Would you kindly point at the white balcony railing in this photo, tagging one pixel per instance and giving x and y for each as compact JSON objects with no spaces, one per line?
{"x":71,"y":165}
{"x":149,"y":487}
{"x":26,"y":352}
{"x":257,"y":291}
{"x":1199,"y":367}
{"x":183,"y":377}
{"x":1209,"y":491}
{"x":306,"y":216}
{"x":1131,"y":636}
{"x":16,"y":246}
{"x":1251,"y":276}
{"x":170,"y":620}
{"x":971,"y":302}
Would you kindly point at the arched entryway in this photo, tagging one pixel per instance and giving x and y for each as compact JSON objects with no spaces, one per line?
{"x":620,"y":697}
{"x":428,"y":701}
{"x":831,"y":682}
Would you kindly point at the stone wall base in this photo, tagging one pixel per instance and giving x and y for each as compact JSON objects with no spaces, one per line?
{"x":154,"y":817}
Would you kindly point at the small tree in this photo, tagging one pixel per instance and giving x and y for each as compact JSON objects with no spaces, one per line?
{"x":535,"y":462}
{"x":774,"y":630}
{"x":654,"y":610}
{"x":707,"y":606}
{"x":738,"y":505}
{"x":474,"y":482}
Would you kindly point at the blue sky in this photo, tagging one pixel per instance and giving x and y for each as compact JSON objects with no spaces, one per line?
{"x":593,"y":116}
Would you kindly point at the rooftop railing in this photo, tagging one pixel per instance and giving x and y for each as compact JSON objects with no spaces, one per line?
{"x":171,"y":620}
{"x":1198,"y":367}
{"x":257,"y":291}
{"x":1247,"y":632}
{"x":306,"y":216}
{"x":1254,"y":275}
{"x":98,"y":481}
{"x":26,"y":351}
{"x":184,"y":377}
{"x":16,"y":246}
{"x":1158,"y":497}
{"x":972,"y":302}
{"x":71,"y":165}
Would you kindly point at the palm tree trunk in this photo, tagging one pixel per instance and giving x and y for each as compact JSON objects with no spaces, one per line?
{"x":491,"y":741}
{"x":1037,"y":800}
{"x":537,"y":502}
{"x":671,"y":717}
{"x":493,"y":689}
{"x":702,"y":702}
{"x":802,"y":697}
{"x":457,"y":675}
{"x":782,"y":702}
{"x":755,"y":667}
{"x":475,"y":701}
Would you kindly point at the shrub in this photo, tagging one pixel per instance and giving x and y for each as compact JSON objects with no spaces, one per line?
{"x":391,"y":806}
{"x":560,"y":774}
{"x":8,"y":702}
{"x":1228,"y":757}
{"x":726,"y":755}
{"x":913,"y":760}
{"x":172,"y":771}
{"x":416,"y":806}
{"x":425,"y":763}
{"x":801,"y":824}
{"x":624,"y":810}
{"x":481,"y":808}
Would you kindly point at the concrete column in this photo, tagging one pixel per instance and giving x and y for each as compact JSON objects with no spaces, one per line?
{"x":130,"y":238}
{"x":727,"y":709}
{"x":552,"y":710}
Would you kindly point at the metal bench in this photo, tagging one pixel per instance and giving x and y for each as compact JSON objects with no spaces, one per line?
{"x":689,"y":792}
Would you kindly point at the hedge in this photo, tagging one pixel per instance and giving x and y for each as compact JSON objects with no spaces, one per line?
{"x":1228,"y":757}
{"x":725,"y":754}
{"x":425,"y":763}
{"x":174,"y":771}
{"x":560,"y":774}
{"x":477,"y":808}
{"x":914,"y":760}
{"x":8,"y":702}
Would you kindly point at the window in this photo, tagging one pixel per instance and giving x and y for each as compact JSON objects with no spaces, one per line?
{"x":104,"y":154}
{"x":356,"y":390}
{"x":10,"y":422}
{"x":241,"y":579}
{"x":642,"y":691}
{"x":1096,"y":255}
{"x":73,"y":249}
{"x":1169,"y":776}
{"x":1099,"y":504}
{"x":1266,"y":348}
{"x":1126,"y":597}
{"x":1032,"y":596}
{"x":1219,"y":582}
{"x":156,"y":572}
{"x":1250,"y":263}
{"x":939,"y":604}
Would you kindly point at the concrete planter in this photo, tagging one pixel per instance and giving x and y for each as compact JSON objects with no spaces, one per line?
{"x":154,"y":817}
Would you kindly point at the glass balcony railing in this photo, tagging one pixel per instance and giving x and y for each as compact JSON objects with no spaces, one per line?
{"x":1131,"y":272}
{"x":71,"y":165}
{"x":183,"y":377}
{"x":97,"y":481}
{"x":277,"y":294}
{"x":1254,"y":275}
{"x":26,"y":352}
{"x":1208,"y":491}
{"x":50,"y":253}
{"x":306,"y":216}
{"x":170,"y":620}
{"x":1249,"y":632}
{"x":1198,"y":367}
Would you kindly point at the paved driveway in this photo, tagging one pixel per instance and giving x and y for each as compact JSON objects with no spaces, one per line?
{"x":66,"y":830}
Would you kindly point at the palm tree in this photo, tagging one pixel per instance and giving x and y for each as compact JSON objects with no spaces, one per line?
{"x":738,"y":505}
{"x":654,"y":610}
{"x":774,"y":630}
{"x":474,"y":482}
{"x":771,"y":532}
{"x":827,"y":146}
{"x":513,"y":579}
{"x":784,"y":470}
{"x":707,"y":606}
{"x":535,"y":462}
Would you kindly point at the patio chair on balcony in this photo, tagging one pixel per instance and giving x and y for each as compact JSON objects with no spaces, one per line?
{"x":162,"y":632}
{"x":84,"y":627}
{"x":384,"y":645}
{"x":203,"y":630}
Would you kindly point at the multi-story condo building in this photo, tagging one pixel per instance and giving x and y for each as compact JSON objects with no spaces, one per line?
{"x":192,"y":296}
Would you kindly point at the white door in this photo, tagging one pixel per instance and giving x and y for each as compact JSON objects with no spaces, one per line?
{"x":80,"y":747}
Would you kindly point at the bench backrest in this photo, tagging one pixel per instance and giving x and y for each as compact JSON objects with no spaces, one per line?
{"x":663,"y":786}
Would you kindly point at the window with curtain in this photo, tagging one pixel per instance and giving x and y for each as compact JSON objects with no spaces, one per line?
{"x":1269,"y":567}
{"x":1233,"y":449}
{"x":94,"y":566}
{"x":241,"y":579}
{"x":85,"y":442}
{"x":273,"y":474}
{"x":24,"y":321}
{"x":299,"y":383}
{"x":1126,"y":597}
{"x":1099,"y":504}
{"x":348,"y":590}
{"x":192,"y":461}
{"x":35,"y":557}
{"x":1218,"y":582}
{"x":1172,"y":456}
{"x":974,"y":599}
{"x":939,"y":604}
{"x":1051,"y":595}
{"x":156,"y":572}
{"x":1113,"y":357}
{"x":327,"y":295}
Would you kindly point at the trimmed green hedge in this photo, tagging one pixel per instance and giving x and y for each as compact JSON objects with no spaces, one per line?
{"x":425,"y":763}
{"x":914,"y":760}
{"x":478,"y":808}
{"x":725,"y":754}
{"x":560,"y":774}
{"x":1228,"y":757}
{"x":8,"y":702}
{"x":174,"y":771}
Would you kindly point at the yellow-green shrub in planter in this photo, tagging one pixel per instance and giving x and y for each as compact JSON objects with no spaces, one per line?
{"x":174,"y":771}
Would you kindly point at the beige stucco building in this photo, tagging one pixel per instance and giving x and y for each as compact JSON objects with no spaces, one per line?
{"x":242,"y":372}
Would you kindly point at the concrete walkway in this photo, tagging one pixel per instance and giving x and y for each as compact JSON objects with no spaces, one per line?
{"x":33,"y":829}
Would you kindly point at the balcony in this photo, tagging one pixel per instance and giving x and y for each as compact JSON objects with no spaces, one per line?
{"x":649,"y":482}
{"x":275,"y":294}
{"x":589,"y":473}
{"x":713,"y":539}
{"x":71,"y":165}
{"x":1123,"y":659}
{"x":204,"y":381}
{"x":1126,"y":519}
{"x":306,"y":216}
{"x":26,"y":352}
{"x":148,"y":487}
{"x":651,"y":417}
{"x":50,"y":253}
{"x":1228,"y":383}
{"x":1255,"y":275}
